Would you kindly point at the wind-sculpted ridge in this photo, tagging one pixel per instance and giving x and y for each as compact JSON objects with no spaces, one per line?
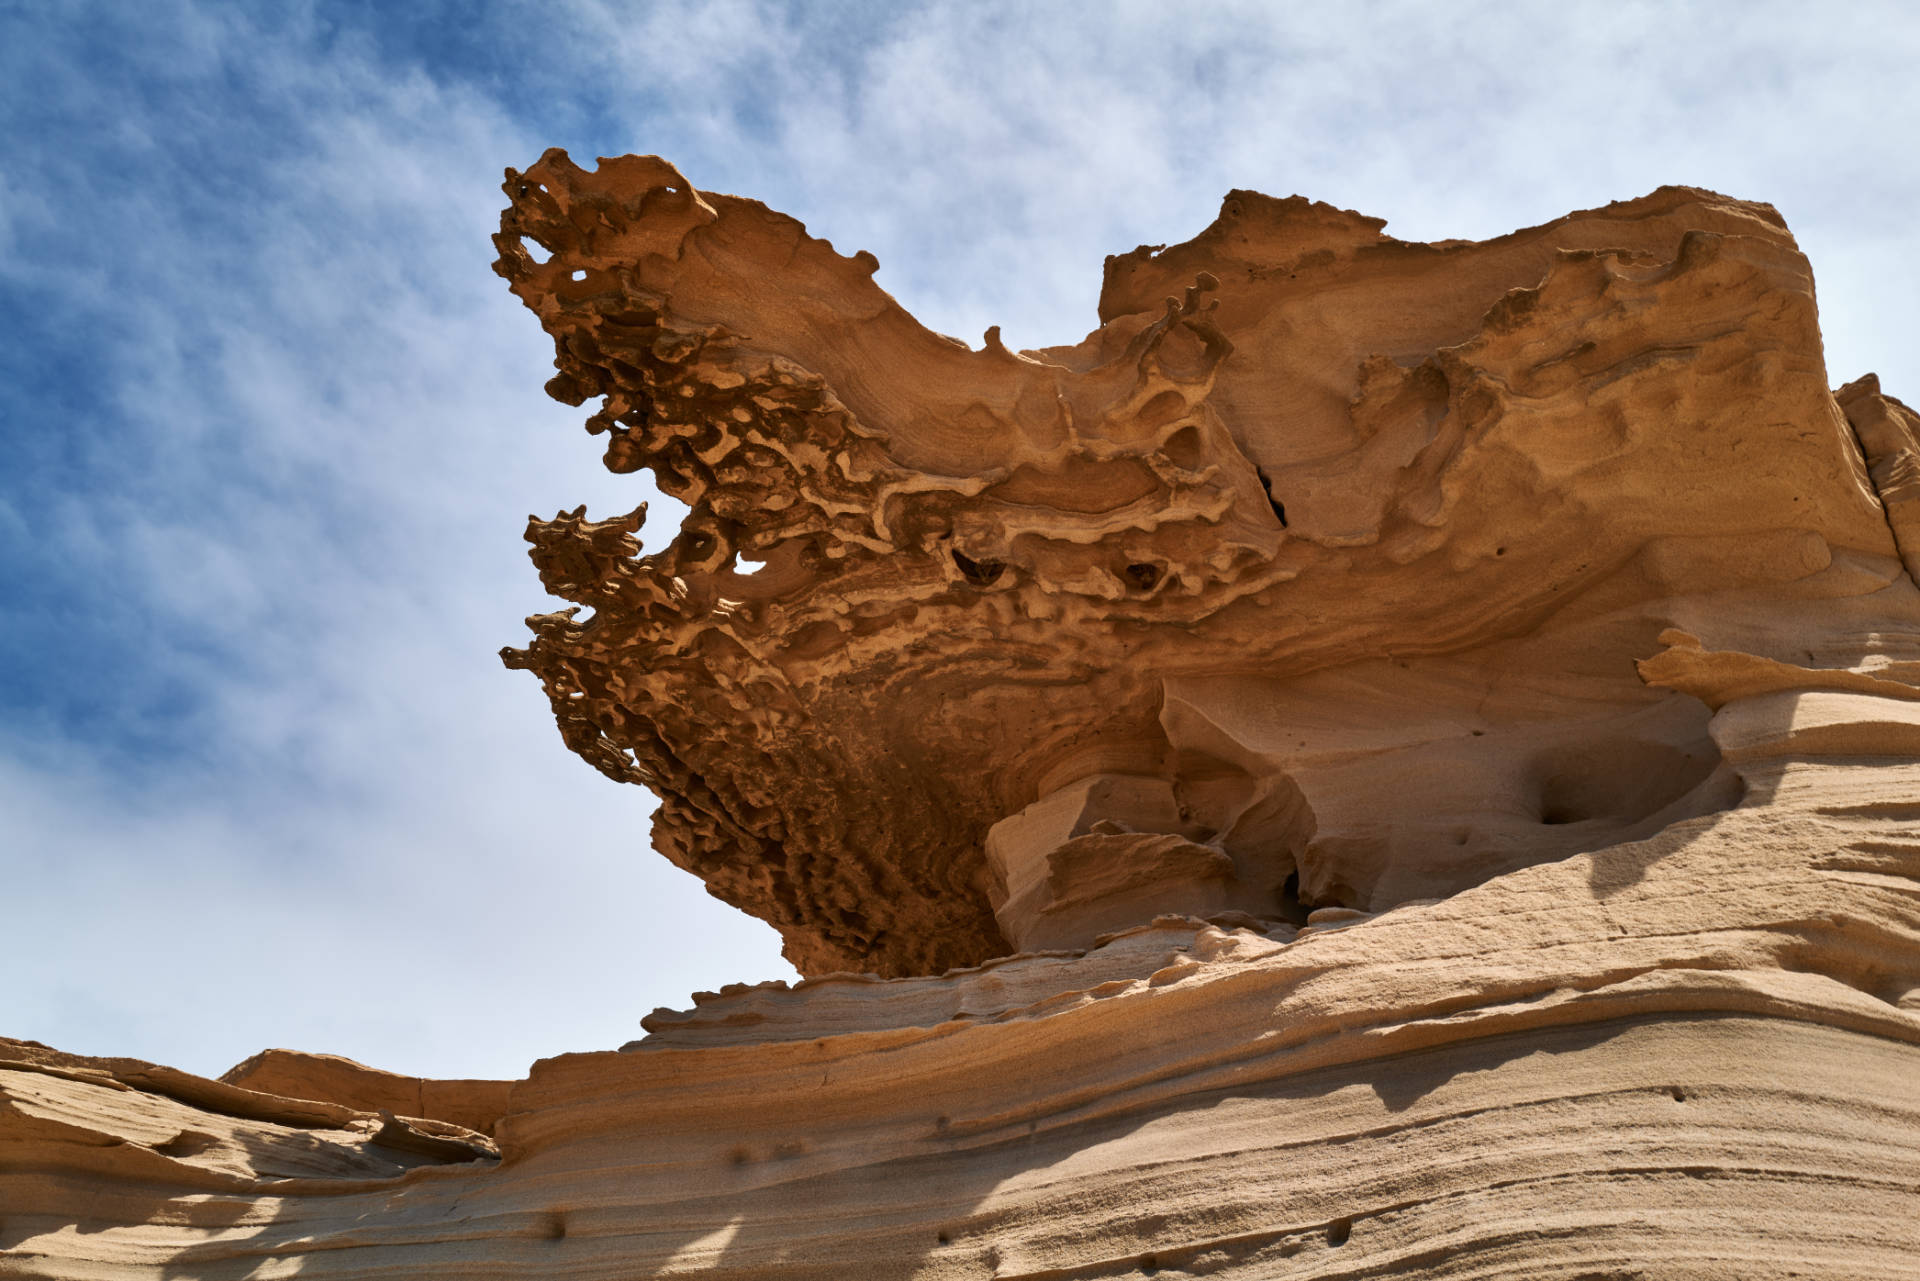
{"x":923,"y":587}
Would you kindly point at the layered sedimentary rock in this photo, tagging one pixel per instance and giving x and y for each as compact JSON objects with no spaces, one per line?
{"x":1325,"y":559}
{"x":1383,"y":759}
{"x":473,"y":1105}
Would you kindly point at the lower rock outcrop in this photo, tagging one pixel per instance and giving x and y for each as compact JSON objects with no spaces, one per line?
{"x":476,"y":1105}
{"x":1690,"y":1056}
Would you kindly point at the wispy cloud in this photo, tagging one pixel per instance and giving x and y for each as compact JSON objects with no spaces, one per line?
{"x":268,"y":781}
{"x":271,"y":426}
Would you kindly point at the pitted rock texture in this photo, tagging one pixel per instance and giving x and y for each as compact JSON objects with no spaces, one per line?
{"x":1343,"y":547}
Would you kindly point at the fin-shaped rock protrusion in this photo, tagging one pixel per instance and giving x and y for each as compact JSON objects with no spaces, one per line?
{"x":1889,"y":434}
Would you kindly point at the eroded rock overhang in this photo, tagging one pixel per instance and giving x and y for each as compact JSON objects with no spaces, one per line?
{"x":1316,"y":576}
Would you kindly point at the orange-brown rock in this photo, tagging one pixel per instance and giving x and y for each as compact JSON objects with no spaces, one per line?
{"x":1326,"y":559}
{"x":1382,"y":760}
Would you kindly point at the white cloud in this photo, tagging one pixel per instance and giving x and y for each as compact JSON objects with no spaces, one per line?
{"x":329,"y":432}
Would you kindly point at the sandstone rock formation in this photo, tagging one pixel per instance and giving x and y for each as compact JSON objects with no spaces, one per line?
{"x":473,"y":1105}
{"x":1382,"y":760}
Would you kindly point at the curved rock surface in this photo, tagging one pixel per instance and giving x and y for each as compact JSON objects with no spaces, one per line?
{"x":1383,"y":760}
{"x":1324,"y":562}
{"x":474,"y":1105}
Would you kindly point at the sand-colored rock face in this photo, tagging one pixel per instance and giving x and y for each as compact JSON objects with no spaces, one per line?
{"x":1415,"y":751}
{"x":1325,"y":561}
{"x":473,"y":1105}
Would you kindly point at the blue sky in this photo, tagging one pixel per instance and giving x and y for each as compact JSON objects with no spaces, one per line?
{"x":270,"y":428}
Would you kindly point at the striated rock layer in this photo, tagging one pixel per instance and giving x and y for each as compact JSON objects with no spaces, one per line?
{"x":1383,"y":760}
{"x":1324,"y":561}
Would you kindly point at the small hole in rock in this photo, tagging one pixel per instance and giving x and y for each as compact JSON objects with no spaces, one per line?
{"x":554,"y":1226}
{"x":1338,"y":1231}
{"x":1143,"y":577}
{"x":1149,"y":1264}
{"x":739,"y":1155}
{"x":1616,"y":781}
{"x":1292,"y":910}
{"x":1499,"y":551}
{"x":981,"y":573}
{"x":1183,"y":447}
{"x":945,"y":1239}
{"x":1679,"y":1095}
{"x":187,"y":1143}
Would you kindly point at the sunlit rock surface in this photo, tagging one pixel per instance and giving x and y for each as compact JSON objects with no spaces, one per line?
{"x":1382,"y":760}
